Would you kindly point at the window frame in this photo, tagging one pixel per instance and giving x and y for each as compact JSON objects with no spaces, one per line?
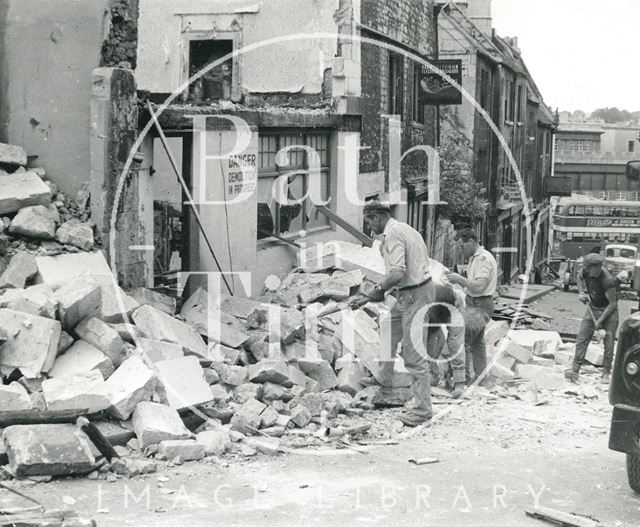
{"x":274,"y":171}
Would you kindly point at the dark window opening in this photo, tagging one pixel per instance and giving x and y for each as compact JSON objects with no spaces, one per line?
{"x":418,"y":105}
{"x":631,"y":146}
{"x":216,"y":83}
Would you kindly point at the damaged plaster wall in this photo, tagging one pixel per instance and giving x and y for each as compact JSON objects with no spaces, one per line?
{"x":165,"y":28}
{"x":120,"y":44}
{"x":47,"y":53}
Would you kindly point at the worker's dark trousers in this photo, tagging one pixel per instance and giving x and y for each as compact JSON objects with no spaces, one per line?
{"x":409,"y":319}
{"x":587,"y":327}
{"x":477,"y":315}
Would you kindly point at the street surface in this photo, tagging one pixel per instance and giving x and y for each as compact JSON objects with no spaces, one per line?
{"x":497,"y":454}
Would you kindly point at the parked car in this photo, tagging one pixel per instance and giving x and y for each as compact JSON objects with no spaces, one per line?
{"x":624,"y":395}
{"x":620,"y":260}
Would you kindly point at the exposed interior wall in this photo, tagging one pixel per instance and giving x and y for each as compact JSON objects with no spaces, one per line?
{"x":48,"y":51}
{"x":165,"y":27}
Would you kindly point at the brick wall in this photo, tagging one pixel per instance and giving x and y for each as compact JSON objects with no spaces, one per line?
{"x":411,"y":23}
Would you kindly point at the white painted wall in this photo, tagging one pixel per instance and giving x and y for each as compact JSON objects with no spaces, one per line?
{"x":165,"y":26}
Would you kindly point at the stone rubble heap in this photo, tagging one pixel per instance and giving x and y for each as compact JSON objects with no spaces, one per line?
{"x":35,"y":217}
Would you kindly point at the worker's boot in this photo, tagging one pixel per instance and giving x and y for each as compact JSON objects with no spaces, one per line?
{"x":606,"y":377}
{"x":458,"y":390}
{"x":572,"y":373}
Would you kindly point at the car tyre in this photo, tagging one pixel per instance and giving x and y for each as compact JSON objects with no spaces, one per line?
{"x":633,"y":471}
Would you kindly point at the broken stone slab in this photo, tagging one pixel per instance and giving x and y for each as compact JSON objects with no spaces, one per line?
{"x":145,"y":296}
{"x":183,"y":380}
{"x":231,"y":375}
{"x":362,"y":341}
{"x":215,"y":442}
{"x":158,"y":350}
{"x":212,"y":325}
{"x":116,"y":306}
{"x":12,"y":155}
{"x":298,"y":378}
{"x":55,"y":270}
{"x":48,"y":450}
{"x":268,"y":417}
{"x":247,"y":418}
{"x":536,"y":341}
{"x":269,"y":446}
{"x":595,"y":354}
{"x":22,"y":267}
{"x":102,"y":336}
{"x":211,"y":376}
{"x":132,"y":467}
{"x":35,"y":300}
{"x":321,"y":372}
{"x":129,"y":332}
{"x":31,"y":343}
{"x":23,"y":189}
{"x":160,"y":326}
{"x":336,"y":289}
{"x":185,"y":449}
{"x":300,"y":416}
{"x":132,"y":383}
{"x":153,"y":422}
{"x":74,"y":232}
{"x":33,"y":222}
{"x":273,"y":431}
{"x":543,"y":377}
{"x":219,"y":394}
{"x":85,"y":390}
{"x":564,"y":357}
{"x":14,"y":397}
{"x":269,"y":370}
{"x":78,"y":299}
{"x":350,"y":376}
{"x":275,"y":392}
{"x":81,"y":357}
{"x":246,"y":391}
{"x":518,"y":352}
{"x":501,"y":372}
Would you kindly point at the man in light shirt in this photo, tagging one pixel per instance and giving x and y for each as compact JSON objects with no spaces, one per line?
{"x":407,"y":273}
{"x":480,"y":286}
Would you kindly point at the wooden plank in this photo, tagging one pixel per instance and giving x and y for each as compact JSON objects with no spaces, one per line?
{"x":561,"y":518}
{"x":34,"y":417}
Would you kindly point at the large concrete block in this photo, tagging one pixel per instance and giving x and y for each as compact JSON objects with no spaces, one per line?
{"x":76,"y":233}
{"x":298,"y":378}
{"x":22,"y":267}
{"x":184,"y":382}
{"x":33,"y":222}
{"x":81,"y":391}
{"x":103,"y":337}
{"x":22,"y":189}
{"x":216,"y":326}
{"x":185,"y":449}
{"x":78,"y":299}
{"x":12,"y":155}
{"x":536,"y":341}
{"x":595,"y":354}
{"x":48,"y":450}
{"x":324,"y":375}
{"x":300,"y":416}
{"x":158,"y":350}
{"x":145,"y":296}
{"x":160,"y":326}
{"x":153,"y":422}
{"x":518,"y":352}
{"x":55,"y":270}
{"x":31,"y":345}
{"x":35,"y":300}
{"x":116,"y":307}
{"x":349,"y":377}
{"x":269,"y":370}
{"x":81,"y":357}
{"x":247,"y":418}
{"x":14,"y":397}
{"x":132,"y":383}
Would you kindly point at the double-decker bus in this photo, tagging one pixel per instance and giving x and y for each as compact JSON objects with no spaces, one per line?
{"x":580,"y":224}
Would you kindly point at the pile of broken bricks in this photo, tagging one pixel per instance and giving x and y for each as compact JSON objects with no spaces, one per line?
{"x":171,"y":385}
{"x":35,"y":217}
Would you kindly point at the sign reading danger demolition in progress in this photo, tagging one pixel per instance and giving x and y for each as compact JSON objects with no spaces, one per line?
{"x":435,"y":89}
{"x":240,"y":174}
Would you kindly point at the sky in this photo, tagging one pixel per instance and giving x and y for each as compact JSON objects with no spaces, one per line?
{"x":582,"y":54}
